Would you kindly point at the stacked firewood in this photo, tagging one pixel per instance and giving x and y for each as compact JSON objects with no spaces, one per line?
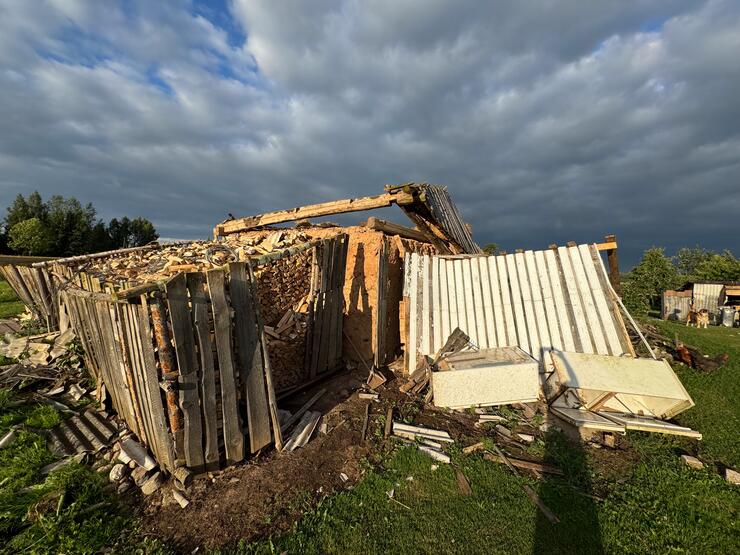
{"x":283,"y":287}
{"x":138,"y":267}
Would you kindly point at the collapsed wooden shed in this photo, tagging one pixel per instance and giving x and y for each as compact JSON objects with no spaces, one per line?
{"x":702,"y":295}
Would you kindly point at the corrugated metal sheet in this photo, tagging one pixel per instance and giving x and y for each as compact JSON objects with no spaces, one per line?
{"x":538,"y":301}
{"x":707,"y":295}
{"x":675,"y":307}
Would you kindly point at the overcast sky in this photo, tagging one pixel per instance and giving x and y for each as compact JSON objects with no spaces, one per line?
{"x":548,"y":121}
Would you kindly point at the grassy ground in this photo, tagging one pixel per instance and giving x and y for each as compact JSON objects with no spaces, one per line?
{"x":9,"y":303}
{"x":652,"y":503}
{"x":72,"y":510}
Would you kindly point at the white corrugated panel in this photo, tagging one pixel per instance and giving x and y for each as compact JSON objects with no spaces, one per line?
{"x":706,"y":295}
{"x":537,"y":301}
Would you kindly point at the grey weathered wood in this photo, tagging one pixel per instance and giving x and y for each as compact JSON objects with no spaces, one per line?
{"x":381,"y":315}
{"x":151,"y":380}
{"x":182,"y":334}
{"x":249,"y":357}
{"x":199,"y":302}
{"x":232,"y":427}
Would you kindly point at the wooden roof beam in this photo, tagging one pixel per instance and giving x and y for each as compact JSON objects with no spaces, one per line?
{"x":315,"y":211}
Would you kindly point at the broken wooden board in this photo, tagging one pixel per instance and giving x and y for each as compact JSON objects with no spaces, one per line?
{"x":648,"y":424}
{"x":619,"y":384}
{"x":588,"y":420}
{"x":303,"y":431}
{"x":486,"y":379}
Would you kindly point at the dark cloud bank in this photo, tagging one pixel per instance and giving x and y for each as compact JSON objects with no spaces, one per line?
{"x":548,"y":122}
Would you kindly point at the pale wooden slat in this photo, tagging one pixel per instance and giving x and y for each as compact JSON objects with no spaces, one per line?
{"x":232,"y":428}
{"x":444,"y":303}
{"x":538,"y":305}
{"x":516,"y":302}
{"x":426,"y":304}
{"x":551,"y":313}
{"x":477,"y":291}
{"x":436,"y":307}
{"x":469,"y":301}
{"x":564,"y":322}
{"x":610,"y":332}
{"x":619,"y":325}
{"x":490,"y":319}
{"x":506,"y":303}
{"x":452,"y":295}
{"x":462,"y":315}
{"x":411,"y":348}
{"x":594,"y":324}
{"x":250,"y":357}
{"x":573,"y":300}
{"x":207,"y":386}
{"x":530,"y":317}
{"x":182,"y":334}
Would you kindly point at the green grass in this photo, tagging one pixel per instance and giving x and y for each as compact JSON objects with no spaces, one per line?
{"x":72,"y":510}
{"x":717,"y":395}
{"x":10,"y":305}
{"x":653,"y":504}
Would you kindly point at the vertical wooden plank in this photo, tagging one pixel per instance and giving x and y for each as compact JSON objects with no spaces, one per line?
{"x":478,"y":301}
{"x":182,"y":335}
{"x":506,"y":300}
{"x":232,"y":426}
{"x":488,"y":314}
{"x":319,"y":302}
{"x":151,"y":381}
{"x":443,"y":302}
{"x":619,"y":324}
{"x":341,"y":269}
{"x":602,"y":309}
{"x":381,"y":309}
{"x":426,"y":305}
{"x":548,"y":300}
{"x":538,"y":305}
{"x":328,"y":336}
{"x":573,"y":300}
{"x":207,"y":386}
{"x":518,"y":306}
{"x":250,"y":357}
{"x":594,"y":324}
{"x":561,"y":310}
{"x":325,"y":338}
{"x":530,"y":317}
{"x":460,"y":311}
{"x":436,"y":306}
{"x":452,"y":296}
{"x":411,"y":348}
{"x":613,"y":259}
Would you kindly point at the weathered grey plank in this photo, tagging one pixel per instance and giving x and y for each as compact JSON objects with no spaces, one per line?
{"x":250,"y":357}
{"x":182,"y":334}
{"x":232,"y":427}
{"x":199,"y":303}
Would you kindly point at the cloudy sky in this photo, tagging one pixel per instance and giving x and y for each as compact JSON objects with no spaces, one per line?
{"x":548,"y":121}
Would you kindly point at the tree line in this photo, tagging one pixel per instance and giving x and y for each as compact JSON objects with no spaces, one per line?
{"x":63,"y":227}
{"x":643,"y":286}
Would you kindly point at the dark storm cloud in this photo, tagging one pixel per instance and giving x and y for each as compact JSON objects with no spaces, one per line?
{"x":548,"y":121}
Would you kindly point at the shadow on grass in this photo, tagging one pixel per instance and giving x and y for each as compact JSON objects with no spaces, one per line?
{"x":570,"y":497}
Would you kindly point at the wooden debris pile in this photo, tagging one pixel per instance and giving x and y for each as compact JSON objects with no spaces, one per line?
{"x":40,"y":350}
{"x":681,"y":352}
{"x":143,"y":266}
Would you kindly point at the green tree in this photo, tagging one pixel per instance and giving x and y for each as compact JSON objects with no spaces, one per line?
{"x":718,"y":267}
{"x":126,"y":233}
{"x":25,"y":209}
{"x":643,"y":286}
{"x":71,"y":223}
{"x":490,"y":248}
{"x":687,"y":260}
{"x":31,"y":237}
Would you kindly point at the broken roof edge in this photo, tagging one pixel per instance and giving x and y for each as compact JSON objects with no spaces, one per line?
{"x":428,"y":206}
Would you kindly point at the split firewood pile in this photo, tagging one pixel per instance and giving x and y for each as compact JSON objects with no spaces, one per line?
{"x":283,"y":287}
{"x":144,"y":266}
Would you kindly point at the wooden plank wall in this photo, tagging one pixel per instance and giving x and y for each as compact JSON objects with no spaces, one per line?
{"x":326,"y":307}
{"x":225,"y":395}
{"x":36,"y":289}
{"x":539,"y":301}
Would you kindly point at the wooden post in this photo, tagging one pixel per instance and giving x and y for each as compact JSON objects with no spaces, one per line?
{"x":611,"y":256}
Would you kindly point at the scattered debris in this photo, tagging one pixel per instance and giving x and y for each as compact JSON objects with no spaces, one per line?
{"x":303,"y":431}
{"x":132,"y":450}
{"x":692,"y":462}
{"x":118,"y":472}
{"x":368,"y":396}
{"x":473,"y":448}
{"x":180,"y":498}
{"x":416,"y":432}
{"x":732,"y":476}
{"x":463,"y":483}
{"x":152,"y":484}
{"x":527,"y":465}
